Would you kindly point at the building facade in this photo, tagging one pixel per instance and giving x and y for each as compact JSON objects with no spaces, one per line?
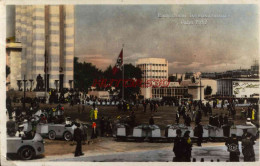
{"x":46,"y":34}
{"x":152,"y":69}
{"x":238,"y":87}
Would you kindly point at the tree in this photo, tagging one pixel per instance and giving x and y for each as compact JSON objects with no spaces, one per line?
{"x":85,"y":74}
{"x":208,"y":90}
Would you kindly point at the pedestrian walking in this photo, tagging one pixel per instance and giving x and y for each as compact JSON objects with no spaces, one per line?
{"x":78,"y":139}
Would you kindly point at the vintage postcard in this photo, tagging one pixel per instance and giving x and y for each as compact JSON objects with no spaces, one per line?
{"x":130,"y":82}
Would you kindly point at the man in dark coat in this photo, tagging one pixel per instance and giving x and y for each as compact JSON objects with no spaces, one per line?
{"x":233,"y":148}
{"x":102,"y":126}
{"x":247,"y":148}
{"x":187,"y":120}
{"x":225,"y":119}
{"x":187,"y":146}
{"x":78,"y":139}
{"x":151,"y":121}
{"x":199,"y":133}
{"x":144,"y":105}
{"x":177,"y":148}
{"x":177,"y":117}
{"x":221,"y":120}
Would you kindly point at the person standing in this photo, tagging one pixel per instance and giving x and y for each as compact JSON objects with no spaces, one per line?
{"x":199,"y":133}
{"x":177,"y":147}
{"x":233,"y":148}
{"x":247,"y":147}
{"x":187,"y":146}
{"x":109,"y":127}
{"x":102,"y":126}
{"x":94,"y":131}
{"x":83,"y":108}
{"x":151,"y":121}
{"x":187,"y":120}
{"x":78,"y":139}
{"x":95,"y":114}
{"x":91,"y":114}
{"x":144,"y":105}
{"x":177,"y":118}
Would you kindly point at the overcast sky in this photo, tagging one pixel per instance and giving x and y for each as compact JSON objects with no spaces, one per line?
{"x":222,"y":44}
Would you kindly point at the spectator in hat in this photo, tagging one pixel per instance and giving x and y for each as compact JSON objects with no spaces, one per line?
{"x":78,"y":139}
{"x":20,"y":132}
{"x":198,"y":131}
{"x":187,"y":146}
{"x":247,"y":148}
{"x":233,"y":148}
{"x":177,"y":147}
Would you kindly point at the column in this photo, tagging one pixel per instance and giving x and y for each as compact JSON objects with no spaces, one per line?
{"x":54,"y":45}
{"x":23,"y":40}
{"x":68,"y":50}
{"x":18,"y":16}
{"x":38,"y":42}
{"x":29,"y":42}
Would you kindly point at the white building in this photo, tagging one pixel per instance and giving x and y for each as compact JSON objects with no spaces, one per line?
{"x":45,"y":30}
{"x":238,"y":87}
{"x":152,"y":69}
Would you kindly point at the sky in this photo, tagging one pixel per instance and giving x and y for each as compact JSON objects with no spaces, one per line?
{"x":224,"y":42}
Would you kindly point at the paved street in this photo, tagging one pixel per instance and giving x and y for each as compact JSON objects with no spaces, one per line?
{"x":164,"y":155}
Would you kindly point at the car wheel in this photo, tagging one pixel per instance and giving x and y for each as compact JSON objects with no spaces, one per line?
{"x":52,"y":135}
{"x":27,"y":153}
{"x":67,"y":136}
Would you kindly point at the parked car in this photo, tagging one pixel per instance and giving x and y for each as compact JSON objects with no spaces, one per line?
{"x":27,"y":149}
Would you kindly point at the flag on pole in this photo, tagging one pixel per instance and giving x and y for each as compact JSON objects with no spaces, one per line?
{"x":119,"y":63}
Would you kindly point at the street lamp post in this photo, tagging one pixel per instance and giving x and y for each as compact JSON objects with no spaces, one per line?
{"x":56,"y":84}
{"x":31,"y":81}
{"x":24,"y":83}
{"x":200,"y":89}
{"x":19,"y":82}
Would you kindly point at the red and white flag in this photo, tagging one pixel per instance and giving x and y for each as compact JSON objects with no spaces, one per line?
{"x":119,"y":63}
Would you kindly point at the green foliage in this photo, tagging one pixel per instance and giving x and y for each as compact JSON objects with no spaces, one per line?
{"x":86,"y":73}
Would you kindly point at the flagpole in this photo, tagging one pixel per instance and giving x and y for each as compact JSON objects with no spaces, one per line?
{"x":123,"y":75}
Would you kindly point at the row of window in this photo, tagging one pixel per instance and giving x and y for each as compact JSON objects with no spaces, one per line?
{"x":152,"y":65}
{"x":154,"y":71}
{"x":154,"y":77}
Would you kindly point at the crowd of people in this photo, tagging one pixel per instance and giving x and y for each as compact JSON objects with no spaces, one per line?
{"x":190,"y":111}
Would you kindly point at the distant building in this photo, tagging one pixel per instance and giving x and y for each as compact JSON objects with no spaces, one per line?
{"x":173,"y":90}
{"x":152,"y":69}
{"x":238,"y":87}
{"x":99,"y":94}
